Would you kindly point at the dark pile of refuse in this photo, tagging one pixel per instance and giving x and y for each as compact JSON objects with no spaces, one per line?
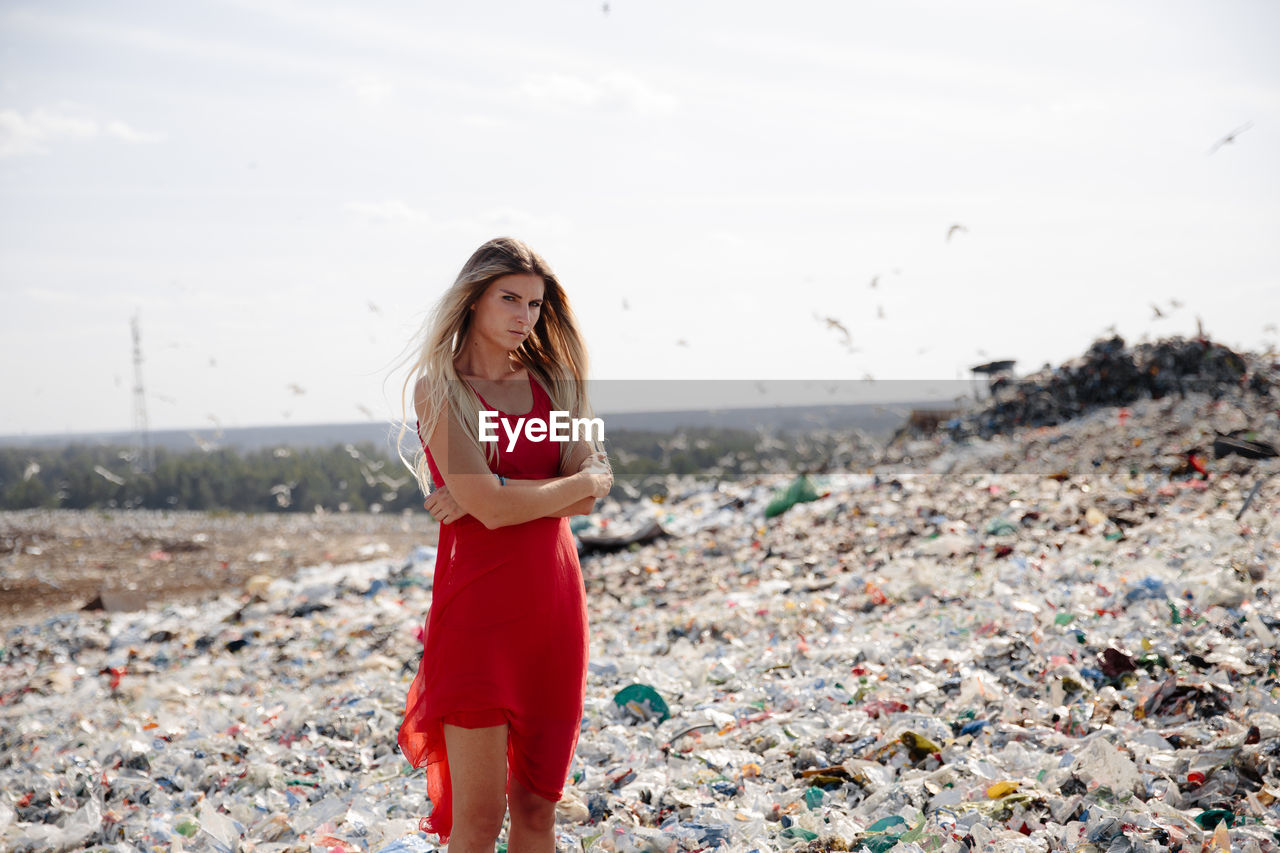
{"x":1112,"y":374}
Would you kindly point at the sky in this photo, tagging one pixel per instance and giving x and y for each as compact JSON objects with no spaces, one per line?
{"x":280,"y":190}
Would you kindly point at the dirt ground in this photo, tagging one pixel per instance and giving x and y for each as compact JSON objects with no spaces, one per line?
{"x":57,"y":560}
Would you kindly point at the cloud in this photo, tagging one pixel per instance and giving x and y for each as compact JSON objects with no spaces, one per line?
{"x":616,"y":92}
{"x":388,"y":212}
{"x":125,"y":133}
{"x":504,"y":219}
{"x":372,"y":89}
{"x":516,"y":221}
{"x":36,"y":131}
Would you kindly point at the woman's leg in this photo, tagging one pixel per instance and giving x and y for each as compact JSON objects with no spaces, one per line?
{"x":478,"y":778}
{"x":533,"y":821}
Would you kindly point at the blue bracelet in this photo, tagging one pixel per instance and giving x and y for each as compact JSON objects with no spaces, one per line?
{"x":502,"y":481}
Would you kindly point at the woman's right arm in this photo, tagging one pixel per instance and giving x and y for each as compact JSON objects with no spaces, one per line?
{"x":480,"y":494}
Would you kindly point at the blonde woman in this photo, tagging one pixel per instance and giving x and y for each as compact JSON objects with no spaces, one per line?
{"x":495,"y":709}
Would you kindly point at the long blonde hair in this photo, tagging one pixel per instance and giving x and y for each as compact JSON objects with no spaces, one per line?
{"x":553,"y":352}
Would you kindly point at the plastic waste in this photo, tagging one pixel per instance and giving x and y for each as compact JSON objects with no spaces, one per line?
{"x":800,"y":491}
{"x":862,"y":671}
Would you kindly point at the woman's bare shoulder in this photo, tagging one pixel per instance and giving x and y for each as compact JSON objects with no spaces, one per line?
{"x":422,"y":399}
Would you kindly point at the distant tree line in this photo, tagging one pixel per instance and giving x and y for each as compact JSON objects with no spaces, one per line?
{"x":351,"y":477}
{"x":362,"y":478}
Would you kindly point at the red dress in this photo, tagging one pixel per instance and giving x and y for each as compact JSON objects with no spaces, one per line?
{"x":506,"y":638}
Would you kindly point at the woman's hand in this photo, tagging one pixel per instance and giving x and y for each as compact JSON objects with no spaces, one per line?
{"x":596,"y":467}
{"x":443,"y":507}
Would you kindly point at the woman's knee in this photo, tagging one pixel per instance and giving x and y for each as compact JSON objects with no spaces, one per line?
{"x":530,"y":810}
{"x":478,"y":774}
{"x":482,"y":821}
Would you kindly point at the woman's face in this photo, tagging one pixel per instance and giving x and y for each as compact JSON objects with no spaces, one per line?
{"x":509,"y":309}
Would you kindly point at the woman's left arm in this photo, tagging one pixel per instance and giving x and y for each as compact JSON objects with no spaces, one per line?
{"x":577,"y":456}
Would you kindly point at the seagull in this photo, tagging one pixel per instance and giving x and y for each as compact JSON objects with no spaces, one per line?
{"x":365,"y":411}
{"x":1159,"y":314}
{"x":1175,"y":304}
{"x":1231,"y":137}
{"x":297,"y":389}
{"x":833,"y":323}
{"x":108,"y":476}
{"x":954,"y":228}
{"x":283,"y":493}
{"x":374,"y":308}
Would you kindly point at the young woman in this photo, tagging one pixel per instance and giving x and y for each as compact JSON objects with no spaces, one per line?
{"x":495,"y":709}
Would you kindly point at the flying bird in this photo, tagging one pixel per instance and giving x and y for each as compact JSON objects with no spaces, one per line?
{"x":1231,"y":137}
{"x":297,"y":389}
{"x":108,"y":476}
{"x":833,"y":323}
{"x":374,"y":308}
{"x":875,"y":279}
{"x":954,"y":229}
{"x":365,"y":410}
{"x":283,"y":493}
{"x":1159,"y":315}
{"x":682,"y":343}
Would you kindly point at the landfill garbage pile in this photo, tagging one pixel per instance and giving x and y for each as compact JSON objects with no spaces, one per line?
{"x":927,"y":656}
{"x":1111,"y":374}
